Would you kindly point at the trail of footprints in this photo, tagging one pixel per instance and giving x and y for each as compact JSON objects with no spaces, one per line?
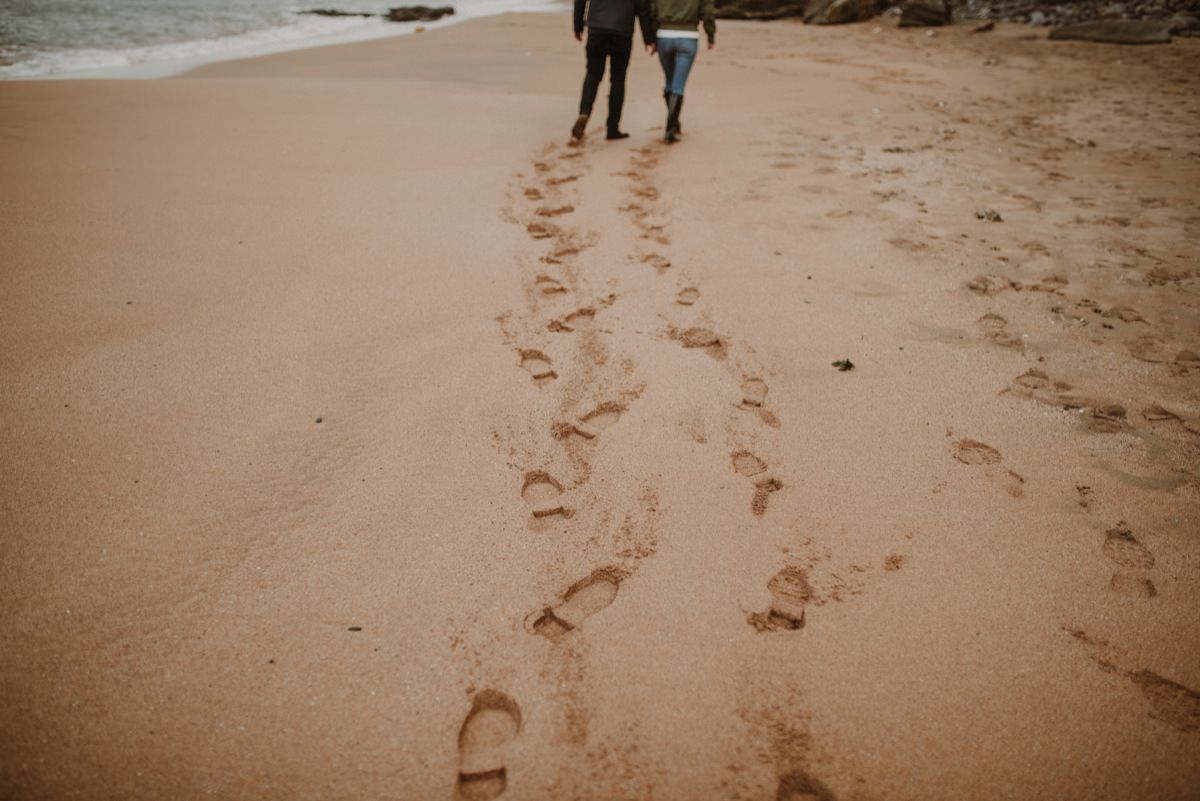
{"x":494,"y":719}
{"x":567,"y":316}
{"x":753,"y":394}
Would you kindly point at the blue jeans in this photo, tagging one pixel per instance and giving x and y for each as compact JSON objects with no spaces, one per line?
{"x":677,"y":56}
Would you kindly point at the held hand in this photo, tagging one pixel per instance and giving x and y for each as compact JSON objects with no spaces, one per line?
{"x":579,"y":37}
{"x":652,"y":48}
{"x":711,"y":45}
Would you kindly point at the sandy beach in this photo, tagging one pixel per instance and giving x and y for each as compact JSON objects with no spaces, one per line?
{"x":362,"y":439}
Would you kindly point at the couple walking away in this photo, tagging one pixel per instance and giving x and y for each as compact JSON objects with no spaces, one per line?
{"x":668,"y":28}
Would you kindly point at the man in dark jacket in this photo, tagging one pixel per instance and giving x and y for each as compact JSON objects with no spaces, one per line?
{"x":609,"y":36}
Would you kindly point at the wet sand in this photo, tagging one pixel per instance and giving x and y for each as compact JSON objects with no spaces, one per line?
{"x":362,"y":439}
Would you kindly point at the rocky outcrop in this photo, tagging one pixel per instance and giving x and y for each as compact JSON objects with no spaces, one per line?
{"x":759,"y":9}
{"x":1116,"y":32}
{"x":924,"y":13}
{"x":1056,"y":13}
{"x":418,"y":13}
{"x":839,"y":12}
{"x":333,"y":12}
{"x":399,"y":14}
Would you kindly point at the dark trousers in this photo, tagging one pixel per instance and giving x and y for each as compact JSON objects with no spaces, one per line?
{"x":615,"y":47}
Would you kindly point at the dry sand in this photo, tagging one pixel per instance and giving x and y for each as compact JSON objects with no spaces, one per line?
{"x":361,"y":440}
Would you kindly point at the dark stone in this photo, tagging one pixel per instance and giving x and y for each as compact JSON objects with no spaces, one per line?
{"x":333,"y":12}
{"x":1183,"y":25}
{"x":759,"y":9}
{"x":924,"y":13}
{"x":986,"y":27}
{"x":418,"y":13}
{"x":1176,"y":14}
{"x":840,"y":12}
{"x":1115,"y":32}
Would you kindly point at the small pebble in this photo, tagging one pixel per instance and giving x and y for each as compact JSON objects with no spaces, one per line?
{"x":356,"y":628}
{"x":319,"y":419}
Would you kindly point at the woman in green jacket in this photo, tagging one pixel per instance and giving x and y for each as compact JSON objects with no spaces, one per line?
{"x":677,"y":44}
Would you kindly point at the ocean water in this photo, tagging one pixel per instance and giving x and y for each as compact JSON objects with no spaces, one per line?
{"x":151,"y":38}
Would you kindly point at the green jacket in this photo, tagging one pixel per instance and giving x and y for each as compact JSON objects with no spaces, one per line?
{"x":685,"y":15}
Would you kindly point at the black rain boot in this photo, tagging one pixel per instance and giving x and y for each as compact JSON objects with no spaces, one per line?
{"x":616,"y":133}
{"x":674,"y":103}
{"x":667,"y":100}
{"x":578,"y":128}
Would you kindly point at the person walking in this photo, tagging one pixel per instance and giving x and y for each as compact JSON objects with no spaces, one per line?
{"x":678,"y":41}
{"x":609,"y":38}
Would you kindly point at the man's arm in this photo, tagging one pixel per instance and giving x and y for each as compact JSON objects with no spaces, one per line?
{"x":645,"y":14}
{"x":579,"y":9}
{"x":708,"y":16}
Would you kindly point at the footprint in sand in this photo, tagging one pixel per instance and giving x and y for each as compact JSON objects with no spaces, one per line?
{"x":1170,"y":702}
{"x":593,"y":423}
{"x":1124,"y":550}
{"x":1104,"y":418}
{"x":581,"y":600}
{"x":546,"y":211}
{"x":540,"y":230}
{"x":969,"y":451}
{"x":1014,"y":483}
{"x":762,"y":492}
{"x":799,"y":786}
{"x":688,"y":296}
{"x":656,"y":233}
{"x":659,"y":263}
{"x":790,"y":592}
{"x":990,"y":284}
{"x":747,"y":464}
{"x":549,"y":286}
{"x":580,"y":318}
{"x":542,"y":492}
{"x":699,"y":338}
{"x":493,"y":722}
{"x":566,"y":179}
{"x":1037,"y":384}
{"x":533,"y":193}
{"x":600,"y":418}
{"x":539,"y":366}
{"x":754,"y":393}
{"x":995,"y":328}
{"x":1032,"y":379}
{"x":703,"y":338}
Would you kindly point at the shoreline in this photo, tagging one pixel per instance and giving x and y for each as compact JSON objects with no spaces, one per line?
{"x":175,"y":59}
